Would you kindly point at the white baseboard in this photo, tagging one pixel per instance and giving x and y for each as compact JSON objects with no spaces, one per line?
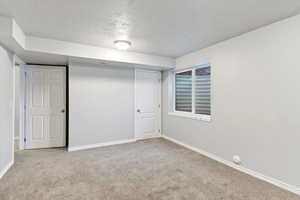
{"x":90,"y":146}
{"x":16,"y":144}
{"x":258,"y":175}
{"x":6,"y":168}
{"x":149,"y":137}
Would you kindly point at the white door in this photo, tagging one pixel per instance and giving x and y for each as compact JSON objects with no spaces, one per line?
{"x":45,"y":107}
{"x":147,"y":104}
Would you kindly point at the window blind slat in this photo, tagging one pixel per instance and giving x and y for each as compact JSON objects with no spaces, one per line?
{"x":183,"y":84}
{"x":202,"y":91}
{"x":183,"y":90}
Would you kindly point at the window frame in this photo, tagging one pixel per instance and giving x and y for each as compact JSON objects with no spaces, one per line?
{"x":192,"y":114}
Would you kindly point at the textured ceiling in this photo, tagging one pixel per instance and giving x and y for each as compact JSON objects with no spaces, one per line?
{"x":161,"y":27}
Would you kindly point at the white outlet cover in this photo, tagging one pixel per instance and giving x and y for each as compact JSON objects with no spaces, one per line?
{"x":237,"y":160}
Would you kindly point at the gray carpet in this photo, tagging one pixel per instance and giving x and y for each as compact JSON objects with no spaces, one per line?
{"x":152,"y":169}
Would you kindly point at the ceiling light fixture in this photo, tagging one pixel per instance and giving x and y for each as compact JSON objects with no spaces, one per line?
{"x":122,"y":44}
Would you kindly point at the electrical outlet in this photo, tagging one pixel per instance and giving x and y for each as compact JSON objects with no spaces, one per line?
{"x":237,"y":160}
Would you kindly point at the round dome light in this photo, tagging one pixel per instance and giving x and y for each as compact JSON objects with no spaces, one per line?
{"x":122,"y":44}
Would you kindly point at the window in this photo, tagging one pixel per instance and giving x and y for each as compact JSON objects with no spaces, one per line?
{"x":192,"y":92}
{"x":202,"y":91}
{"x":183,"y":91}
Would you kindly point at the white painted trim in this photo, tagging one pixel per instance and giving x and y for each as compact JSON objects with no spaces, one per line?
{"x":13,"y":106}
{"x":150,"y":137}
{"x":6,"y":168}
{"x":191,"y":67}
{"x":18,"y":63}
{"x":253,"y":173}
{"x":171,"y":94}
{"x":135,"y":106}
{"x":90,"y":146}
{"x":160,"y":103}
{"x":23,"y":101}
{"x":21,"y":107}
{"x":206,"y":118}
{"x":16,"y":142}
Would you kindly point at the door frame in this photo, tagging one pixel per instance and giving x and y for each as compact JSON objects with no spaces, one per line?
{"x":159,"y":100}
{"x":23,"y":97}
{"x":22,"y":107}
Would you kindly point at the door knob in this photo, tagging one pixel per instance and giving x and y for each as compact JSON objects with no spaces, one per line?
{"x":138,"y":110}
{"x":63,"y":110}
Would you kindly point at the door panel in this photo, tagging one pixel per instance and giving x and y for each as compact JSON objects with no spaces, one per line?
{"x":45,"y":106}
{"x":57,"y":127}
{"x":148,"y":123}
{"x":148,"y":99}
{"x":56,"y":95}
{"x":37,"y":127}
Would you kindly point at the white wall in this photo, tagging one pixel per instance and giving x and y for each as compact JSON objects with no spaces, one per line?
{"x":6,"y":109}
{"x":255,"y":101}
{"x":101,"y":104}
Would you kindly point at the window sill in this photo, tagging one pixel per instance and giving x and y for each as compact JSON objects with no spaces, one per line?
{"x":206,"y":118}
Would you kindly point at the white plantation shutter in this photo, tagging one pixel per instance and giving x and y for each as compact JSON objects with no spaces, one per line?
{"x":192,"y":90}
{"x":183,"y":91}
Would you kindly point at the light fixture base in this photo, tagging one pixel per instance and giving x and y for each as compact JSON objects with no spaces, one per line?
{"x":122,"y":44}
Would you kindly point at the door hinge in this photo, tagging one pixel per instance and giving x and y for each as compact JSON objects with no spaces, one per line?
{"x":159,"y":105}
{"x":159,"y":130}
{"x":24,"y":140}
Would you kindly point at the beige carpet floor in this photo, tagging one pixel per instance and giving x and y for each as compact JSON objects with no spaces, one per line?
{"x":151,"y":169}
